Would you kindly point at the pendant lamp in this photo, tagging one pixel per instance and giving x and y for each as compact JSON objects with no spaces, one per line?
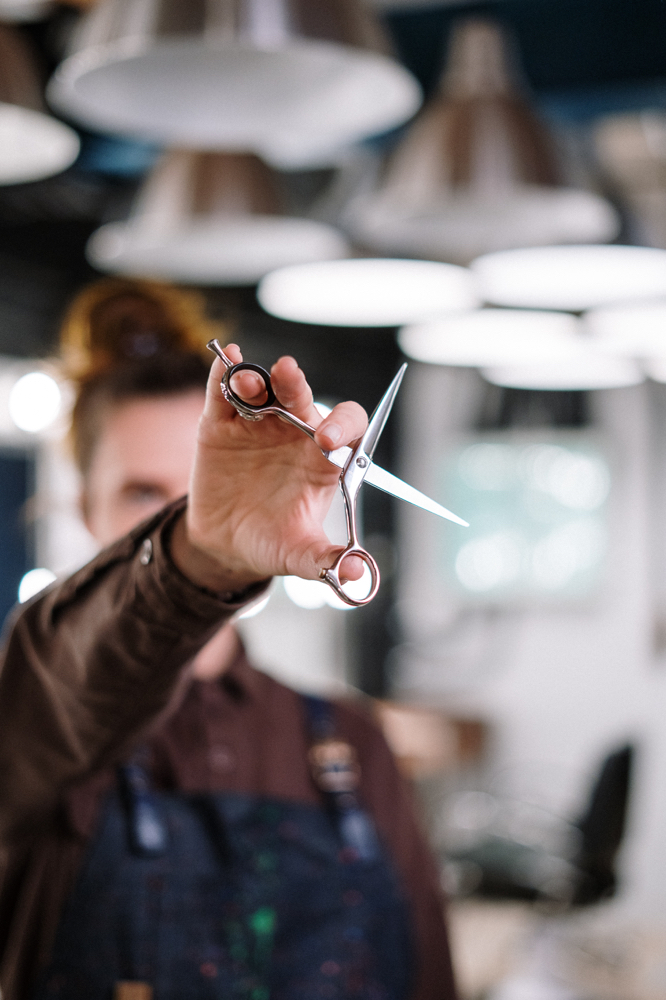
{"x":572,"y":278}
{"x":33,"y":145}
{"x":584,"y":370}
{"x":631,"y":150}
{"x":477,"y":169}
{"x":367,"y":292}
{"x":292,"y":80}
{"x":635,"y":331}
{"x":487,"y":337}
{"x":210,"y":218}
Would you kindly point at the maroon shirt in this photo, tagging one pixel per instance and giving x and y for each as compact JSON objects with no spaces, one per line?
{"x":96,"y":665}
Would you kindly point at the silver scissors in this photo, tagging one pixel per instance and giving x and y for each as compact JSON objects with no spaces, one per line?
{"x":356,"y":465}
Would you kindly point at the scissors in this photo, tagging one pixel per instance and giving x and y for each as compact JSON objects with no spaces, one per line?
{"x":355,"y":463}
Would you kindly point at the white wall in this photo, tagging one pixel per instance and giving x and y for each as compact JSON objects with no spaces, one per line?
{"x":559,"y":686}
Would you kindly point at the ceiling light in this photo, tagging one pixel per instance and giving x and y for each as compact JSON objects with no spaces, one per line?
{"x":288,"y":79}
{"x":210,"y":218}
{"x":492,"y":337}
{"x":655,"y":368}
{"x":571,"y":277}
{"x":34,"y":402}
{"x":366,"y":292}
{"x":637,"y":330}
{"x":33,"y":145}
{"x":584,"y":370}
{"x":476,"y":171}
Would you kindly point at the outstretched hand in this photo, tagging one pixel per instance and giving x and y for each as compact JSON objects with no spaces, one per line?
{"x":260,"y":490}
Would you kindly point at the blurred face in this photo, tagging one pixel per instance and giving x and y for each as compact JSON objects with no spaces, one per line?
{"x":142,"y":462}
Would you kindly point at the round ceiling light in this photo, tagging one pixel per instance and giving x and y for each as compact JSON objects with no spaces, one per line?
{"x":488,"y":337}
{"x":34,"y":402}
{"x":367,"y":292}
{"x":587,"y":369}
{"x":571,"y":277}
{"x":235,"y":251}
{"x":637,"y":330}
{"x":293,"y":82}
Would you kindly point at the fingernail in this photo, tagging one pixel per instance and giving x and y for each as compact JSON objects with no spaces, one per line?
{"x":333,"y":433}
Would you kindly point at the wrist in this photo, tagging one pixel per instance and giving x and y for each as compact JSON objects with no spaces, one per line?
{"x":203,"y":569}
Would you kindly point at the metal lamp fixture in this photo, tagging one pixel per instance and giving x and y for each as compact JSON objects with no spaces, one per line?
{"x":292,"y":80}
{"x":33,"y":145}
{"x":476,"y":171}
{"x":210,"y":218}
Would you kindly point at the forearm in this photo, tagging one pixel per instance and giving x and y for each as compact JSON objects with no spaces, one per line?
{"x":90,"y":664}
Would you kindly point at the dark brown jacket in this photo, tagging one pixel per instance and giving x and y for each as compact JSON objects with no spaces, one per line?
{"x":96,"y":665}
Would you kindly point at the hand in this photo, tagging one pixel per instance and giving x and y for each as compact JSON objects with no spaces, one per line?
{"x":260,"y":490}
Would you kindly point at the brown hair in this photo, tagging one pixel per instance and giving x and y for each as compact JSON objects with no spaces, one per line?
{"x":124,"y":339}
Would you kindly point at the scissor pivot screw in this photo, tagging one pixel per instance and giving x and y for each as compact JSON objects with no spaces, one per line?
{"x":361,"y":462}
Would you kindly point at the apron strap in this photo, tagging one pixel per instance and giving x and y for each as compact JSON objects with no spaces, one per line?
{"x":147,"y":830}
{"x":336,"y":773}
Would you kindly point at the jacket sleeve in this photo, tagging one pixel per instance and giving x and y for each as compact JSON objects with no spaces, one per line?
{"x":89,"y":664}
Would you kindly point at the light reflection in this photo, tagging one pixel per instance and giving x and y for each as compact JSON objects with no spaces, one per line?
{"x":537,"y":511}
{"x":489,"y":563}
{"x":34,"y":402}
{"x":487,"y":466}
{"x":563,"y":553}
{"x":575,"y":480}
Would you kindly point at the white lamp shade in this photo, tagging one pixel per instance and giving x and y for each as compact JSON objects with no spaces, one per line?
{"x":586,"y":369}
{"x":492,"y":337}
{"x":462,"y":226}
{"x":33,"y":145}
{"x":655,"y":368}
{"x":210,"y":218}
{"x":571,"y":277}
{"x":235,"y":251}
{"x":235,"y":75}
{"x":637,"y":330}
{"x":366,"y":292}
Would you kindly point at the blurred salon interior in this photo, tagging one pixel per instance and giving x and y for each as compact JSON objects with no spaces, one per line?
{"x":478,"y":188}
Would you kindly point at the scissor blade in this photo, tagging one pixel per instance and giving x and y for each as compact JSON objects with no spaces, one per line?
{"x":380,"y":416}
{"x":384,"y":480}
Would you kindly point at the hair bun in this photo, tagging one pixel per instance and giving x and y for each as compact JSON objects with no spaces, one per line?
{"x":116,"y":320}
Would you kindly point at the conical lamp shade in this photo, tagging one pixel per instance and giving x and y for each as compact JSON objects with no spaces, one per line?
{"x":33,"y":145}
{"x":293,"y":80}
{"x":476,"y":171}
{"x":210,"y":218}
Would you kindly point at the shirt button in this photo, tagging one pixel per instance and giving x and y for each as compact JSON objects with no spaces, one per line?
{"x":221,"y":758}
{"x":146,"y":553}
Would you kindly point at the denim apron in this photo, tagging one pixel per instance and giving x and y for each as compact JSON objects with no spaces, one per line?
{"x":235,"y":897}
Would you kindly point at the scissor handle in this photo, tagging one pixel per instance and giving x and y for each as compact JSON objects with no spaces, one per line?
{"x":331,"y":576}
{"x":241,"y":404}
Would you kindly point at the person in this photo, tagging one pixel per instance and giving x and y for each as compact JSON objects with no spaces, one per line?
{"x":176,"y":823}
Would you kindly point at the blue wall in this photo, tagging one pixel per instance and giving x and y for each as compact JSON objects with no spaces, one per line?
{"x":16,"y":532}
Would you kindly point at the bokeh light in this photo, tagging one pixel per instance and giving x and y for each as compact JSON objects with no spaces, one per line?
{"x":34,"y":402}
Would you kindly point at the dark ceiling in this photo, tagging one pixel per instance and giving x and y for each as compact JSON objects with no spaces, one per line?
{"x":580,"y":57}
